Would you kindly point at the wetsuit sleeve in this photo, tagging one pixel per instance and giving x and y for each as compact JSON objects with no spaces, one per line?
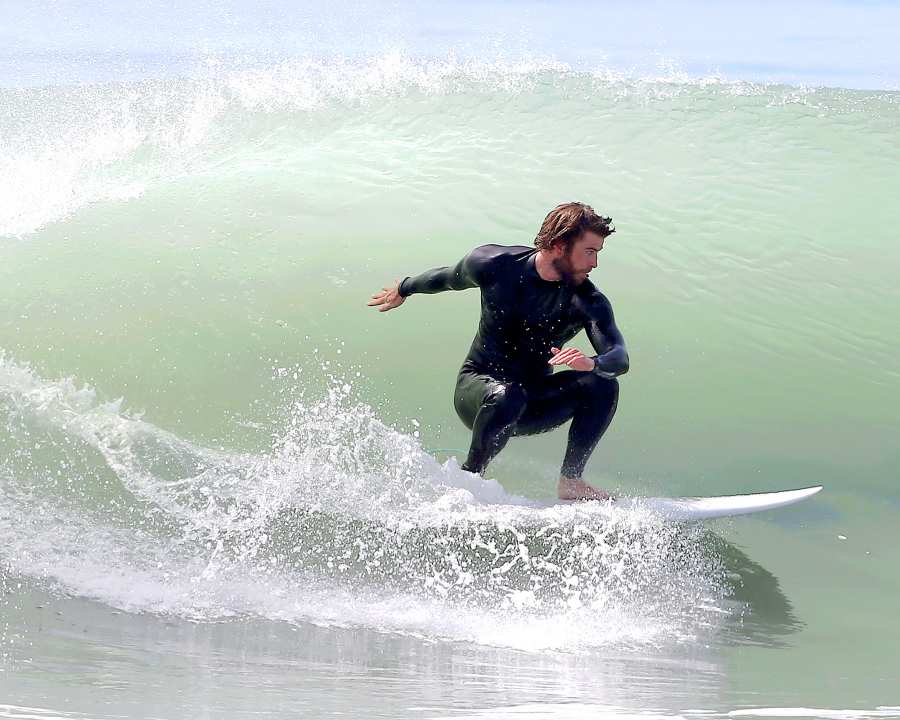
{"x":600,"y":326}
{"x":474,"y":270}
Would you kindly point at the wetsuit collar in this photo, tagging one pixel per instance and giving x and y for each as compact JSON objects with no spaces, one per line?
{"x":532,"y":272}
{"x":531,"y":266}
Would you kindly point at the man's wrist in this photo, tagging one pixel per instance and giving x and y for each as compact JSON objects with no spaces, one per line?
{"x":600,"y":371}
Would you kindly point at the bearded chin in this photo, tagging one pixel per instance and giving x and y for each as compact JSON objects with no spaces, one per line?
{"x":564,"y":268}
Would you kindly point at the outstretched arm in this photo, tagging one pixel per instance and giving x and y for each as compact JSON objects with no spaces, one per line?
{"x":467,"y":273}
{"x":473,"y":270}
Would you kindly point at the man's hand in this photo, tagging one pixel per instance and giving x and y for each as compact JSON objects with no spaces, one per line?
{"x":388,"y":299}
{"x":573,"y":357}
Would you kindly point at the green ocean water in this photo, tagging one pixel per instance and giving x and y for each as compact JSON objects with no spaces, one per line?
{"x":199,"y":415}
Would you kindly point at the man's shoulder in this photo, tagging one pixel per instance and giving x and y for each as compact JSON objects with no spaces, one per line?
{"x":501,"y":252}
{"x":592,"y":298}
{"x":489,"y":260}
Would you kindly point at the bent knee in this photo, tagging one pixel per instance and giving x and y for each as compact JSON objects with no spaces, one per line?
{"x":601,"y":388}
{"x":509,"y":396}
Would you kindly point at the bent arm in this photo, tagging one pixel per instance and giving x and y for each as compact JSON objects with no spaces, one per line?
{"x":472,"y":271}
{"x":612,"y":358}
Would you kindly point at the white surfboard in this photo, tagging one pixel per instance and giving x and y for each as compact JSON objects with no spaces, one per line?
{"x":705,"y":508}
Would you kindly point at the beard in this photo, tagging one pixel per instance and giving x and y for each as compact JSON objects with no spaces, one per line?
{"x":567,"y":271}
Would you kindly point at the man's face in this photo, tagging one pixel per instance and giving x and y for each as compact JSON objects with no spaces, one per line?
{"x":575,"y":265}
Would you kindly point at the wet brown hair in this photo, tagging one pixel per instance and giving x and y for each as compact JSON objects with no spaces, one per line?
{"x":567,"y":222}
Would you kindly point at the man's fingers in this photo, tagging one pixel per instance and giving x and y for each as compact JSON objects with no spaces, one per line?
{"x":388,"y":305}
{"x":381,"y":297}
{"x":565,"y":355}
{"x":387,"y":299}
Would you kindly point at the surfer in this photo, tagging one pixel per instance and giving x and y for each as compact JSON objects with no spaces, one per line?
{"x":533,"y":301}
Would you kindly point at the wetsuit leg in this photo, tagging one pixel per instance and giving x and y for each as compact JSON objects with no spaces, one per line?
{"x":589,"y":400}
{"x":490,"y":408}
{"x":495,"y":410}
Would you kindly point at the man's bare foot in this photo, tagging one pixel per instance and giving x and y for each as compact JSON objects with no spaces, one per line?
{"x":578,"y":489}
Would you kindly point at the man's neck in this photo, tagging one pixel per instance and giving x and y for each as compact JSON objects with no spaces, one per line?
{"x":543,"y":263}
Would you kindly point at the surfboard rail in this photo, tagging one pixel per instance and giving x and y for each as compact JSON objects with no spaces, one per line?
{"x":704,"y":508}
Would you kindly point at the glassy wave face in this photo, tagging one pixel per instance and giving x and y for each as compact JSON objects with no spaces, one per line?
{"x":363,"y":123}
{"x":165,"y":239}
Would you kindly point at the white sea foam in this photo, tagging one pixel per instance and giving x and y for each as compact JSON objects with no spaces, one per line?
{"x":343,"y":521}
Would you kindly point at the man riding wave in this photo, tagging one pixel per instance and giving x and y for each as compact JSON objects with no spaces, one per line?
{"x":533,"y":301}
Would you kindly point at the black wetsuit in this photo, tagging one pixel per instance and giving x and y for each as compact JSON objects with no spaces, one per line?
{"x":506,"y":386}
